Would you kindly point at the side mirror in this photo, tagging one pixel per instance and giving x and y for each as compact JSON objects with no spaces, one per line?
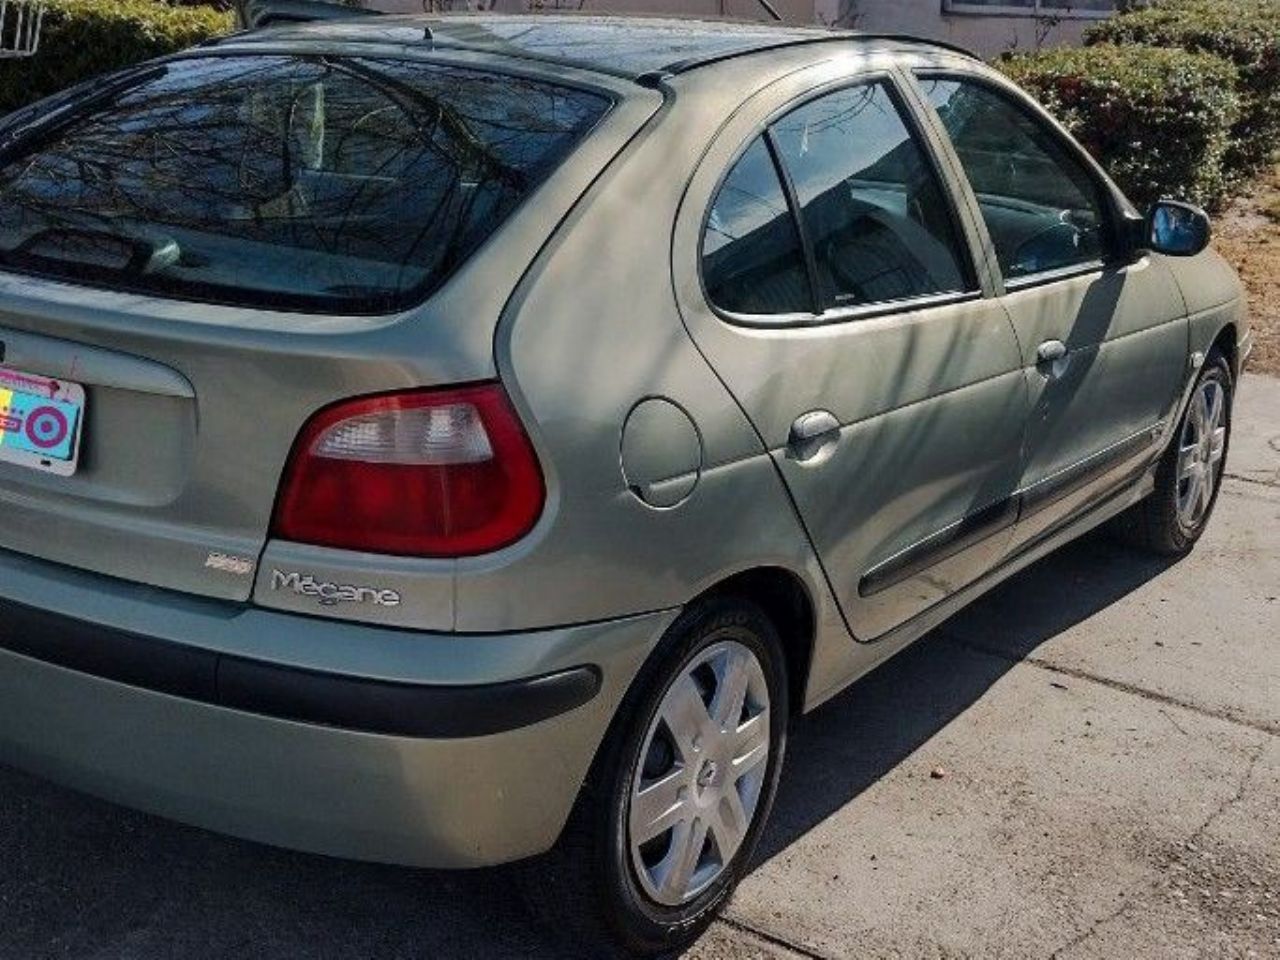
{"x":1177,"y":229}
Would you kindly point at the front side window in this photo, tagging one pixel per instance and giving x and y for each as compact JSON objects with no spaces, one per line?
{"x":752,"y":260}
{"x":317,"y":183}
{"x":880,"y":223}
{"x":1043,"y":208}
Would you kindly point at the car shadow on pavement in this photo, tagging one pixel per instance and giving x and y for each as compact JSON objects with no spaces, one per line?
{"x":83,"y":878}
{"x":849,"y":743}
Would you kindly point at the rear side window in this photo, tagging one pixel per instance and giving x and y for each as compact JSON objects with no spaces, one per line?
{"x":1043,"y":208}
{"x":752,"y":261}
{"x":836,"y":206}
{"x":338,"y":185}
{"x":880,"y":223}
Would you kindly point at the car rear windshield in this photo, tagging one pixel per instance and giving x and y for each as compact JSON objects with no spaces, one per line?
{"x":341,"y":185}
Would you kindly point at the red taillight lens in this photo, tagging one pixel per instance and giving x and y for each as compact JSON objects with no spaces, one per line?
{"x":432,"y":473}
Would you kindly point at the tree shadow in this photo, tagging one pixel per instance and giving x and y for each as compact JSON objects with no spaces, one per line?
{"x":80,"y":877}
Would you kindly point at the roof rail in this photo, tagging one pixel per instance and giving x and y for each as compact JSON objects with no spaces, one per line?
{"x":256,"y":14}
{"x":925,"y":42}
{"x":693,"y":63}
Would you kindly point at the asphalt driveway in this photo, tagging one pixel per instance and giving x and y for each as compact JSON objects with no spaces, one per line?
{"x":1086,"y":764}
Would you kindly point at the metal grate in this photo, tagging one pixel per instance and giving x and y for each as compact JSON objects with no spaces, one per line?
{"x":20,"y":22}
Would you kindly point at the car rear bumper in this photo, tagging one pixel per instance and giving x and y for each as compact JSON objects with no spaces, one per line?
{"x":437,"y":750}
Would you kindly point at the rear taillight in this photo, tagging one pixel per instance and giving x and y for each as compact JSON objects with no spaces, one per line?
{"x":430,"y":473}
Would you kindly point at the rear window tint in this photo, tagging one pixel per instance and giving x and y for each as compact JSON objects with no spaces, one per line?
{"x":752,"y":259}
{"x":308,"y":183}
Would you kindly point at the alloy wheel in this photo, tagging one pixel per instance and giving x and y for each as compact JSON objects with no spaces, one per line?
{"x":700,"y":774}
{"x":1200,"y":451}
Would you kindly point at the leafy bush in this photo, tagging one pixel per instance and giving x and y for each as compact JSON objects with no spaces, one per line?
{"x":83,"y":38}
{"x":1160,"y":121}
{"x":1245,"y":32}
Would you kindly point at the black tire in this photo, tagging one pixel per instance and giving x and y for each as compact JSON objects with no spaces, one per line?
{"x":1154,"y":525}
{"x":586,"y":890}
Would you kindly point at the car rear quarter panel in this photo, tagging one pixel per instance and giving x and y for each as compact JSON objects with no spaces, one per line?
{"x":592,"y":331}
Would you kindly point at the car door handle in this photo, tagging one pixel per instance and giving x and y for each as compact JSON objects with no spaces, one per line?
{"x":813,"y":434}
{"x":1051,"y":351}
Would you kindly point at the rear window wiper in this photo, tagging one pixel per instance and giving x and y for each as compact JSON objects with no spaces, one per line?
{"x":135,"y":254}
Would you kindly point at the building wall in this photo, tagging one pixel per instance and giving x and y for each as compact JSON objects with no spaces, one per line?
{"x":986,"y":34}
{"x":794,"y":11}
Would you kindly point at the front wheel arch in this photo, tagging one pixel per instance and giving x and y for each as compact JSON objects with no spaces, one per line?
{"x":1228,"y":344}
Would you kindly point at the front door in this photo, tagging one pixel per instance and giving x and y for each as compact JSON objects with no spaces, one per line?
{"x":839,"y":300}
{"x":1103,"y":341}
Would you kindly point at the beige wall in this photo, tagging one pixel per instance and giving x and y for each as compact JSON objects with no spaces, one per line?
{"x":986,"y":34}
{"x":796,"y":11}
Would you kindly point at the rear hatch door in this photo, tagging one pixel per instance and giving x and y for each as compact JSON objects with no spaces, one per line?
{"x":216,"y":248}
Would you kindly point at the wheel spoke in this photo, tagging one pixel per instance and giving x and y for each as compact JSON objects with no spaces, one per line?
{"x":1217,"y":445}
{"x":686,"y":716}
{"x":1187,"y":461}
{"x":752,"y":746}
{"x":731,"y":694}
{"x":1201,"y":414}
{"x":1215,"y":402}
{"x":659,"y":807}
{"x":730,"y":825}
{"x":1187,"y":504}
{"x":686,"y":850}
{"x":1206,"y":490}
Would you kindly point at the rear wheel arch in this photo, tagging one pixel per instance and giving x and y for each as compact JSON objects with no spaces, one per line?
{"x":789,"y":605}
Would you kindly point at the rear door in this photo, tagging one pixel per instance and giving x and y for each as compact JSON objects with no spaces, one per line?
{"x":1103,"y":339}
{"x":840,"y":302}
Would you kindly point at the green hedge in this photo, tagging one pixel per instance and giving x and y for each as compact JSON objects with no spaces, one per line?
{"x":1245,"y":32}
{"x":1160,"y":121}
{"x":83,"y":38}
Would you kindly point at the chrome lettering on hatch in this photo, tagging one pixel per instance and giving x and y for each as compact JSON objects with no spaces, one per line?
{"x":225,"y":563}
{"x":332,"y":594}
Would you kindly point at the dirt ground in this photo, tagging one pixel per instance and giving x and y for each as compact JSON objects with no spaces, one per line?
{"x":1248,"y":234}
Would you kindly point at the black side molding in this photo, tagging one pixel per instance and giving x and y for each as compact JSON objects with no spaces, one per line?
{"x":998,"y":517}
{"x":350,"y":703}
{"x":1061,"y":485}
{"x":943,"y":545}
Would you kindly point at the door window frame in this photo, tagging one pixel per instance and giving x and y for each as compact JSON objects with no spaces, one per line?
{"x":968,"y":259}
{"x":1113,"y":204}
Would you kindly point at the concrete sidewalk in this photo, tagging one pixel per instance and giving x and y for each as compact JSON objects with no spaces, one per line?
{"x":1085,"y":764}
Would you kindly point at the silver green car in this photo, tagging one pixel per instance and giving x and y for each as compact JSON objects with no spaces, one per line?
{"x":451,"y":441}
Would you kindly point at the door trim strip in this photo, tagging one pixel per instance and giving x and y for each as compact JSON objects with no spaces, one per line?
{"x":993,"y":520}
{"x":1045,"y":492}
{"x":934,"y":549}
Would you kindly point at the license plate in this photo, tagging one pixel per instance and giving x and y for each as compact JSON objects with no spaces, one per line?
{"x":41,"y":420}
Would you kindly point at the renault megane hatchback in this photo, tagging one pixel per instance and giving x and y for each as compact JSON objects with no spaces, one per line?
{"x":455,"y":441}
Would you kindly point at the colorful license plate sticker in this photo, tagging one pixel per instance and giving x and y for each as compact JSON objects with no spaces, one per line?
{"x":40,"y":422}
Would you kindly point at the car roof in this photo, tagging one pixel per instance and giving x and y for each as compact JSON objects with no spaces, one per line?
{"x":632,"y":47}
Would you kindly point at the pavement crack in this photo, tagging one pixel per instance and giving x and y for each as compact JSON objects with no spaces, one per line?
{"x":1232,"y":800}
{"x":1092,"y":929}
{"x":1130,"y":898}
{"x":1254,"y":481}
{"x":1258,"y":726}
{"x":741,"y":926}
{"x":1174,"y":720}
